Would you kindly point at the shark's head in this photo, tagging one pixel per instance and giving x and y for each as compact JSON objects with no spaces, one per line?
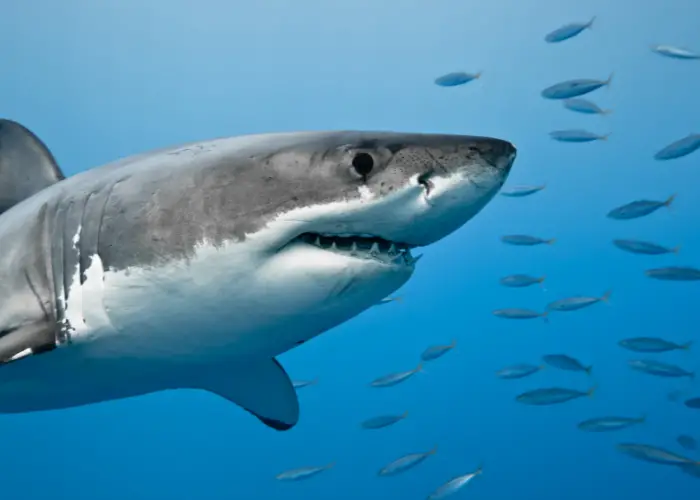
{"x":350,"y":208}
{"x":283,"y":236}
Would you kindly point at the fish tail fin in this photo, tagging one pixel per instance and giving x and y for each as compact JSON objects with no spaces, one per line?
{"x":670,"y":199}
{"x":550,"y":241}
{"x":606,"y":297}
{"x":606,"y":111}
{"x":419,"y":368}
{"x":545,"y":316}
{"x":604,"y":137}
{"x":541,"y":279}
{"x":590,"y":392}
{"x":330,"y":465}
{"x":542,"y":366}
{"x":478,"y":75}
{"x":404,"y":414}
{"x":676,"y":249}
{"x":590,"y":23}
{"x":609,"y":80}
{"x":588,"y":369}
{"x":643,"y":418}
{"x":479,"y":469}
{"x":397,"y":299}
{"x":453,"y":344}
{"x":687,"y":345}
{"x":433,"y":451}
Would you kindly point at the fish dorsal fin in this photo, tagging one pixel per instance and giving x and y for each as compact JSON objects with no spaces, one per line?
{"x":26,"y":164}
{"x":263,"y":389}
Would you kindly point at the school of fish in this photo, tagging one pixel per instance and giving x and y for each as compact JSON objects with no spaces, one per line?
{"x":570,"y":93}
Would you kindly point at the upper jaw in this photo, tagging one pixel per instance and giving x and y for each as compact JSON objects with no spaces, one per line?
{"x":362,"y":246}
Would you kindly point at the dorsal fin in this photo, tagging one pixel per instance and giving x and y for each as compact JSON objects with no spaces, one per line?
{"x":26,"y":164}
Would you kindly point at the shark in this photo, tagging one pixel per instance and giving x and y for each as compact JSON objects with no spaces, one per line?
{"x":196,"y":266}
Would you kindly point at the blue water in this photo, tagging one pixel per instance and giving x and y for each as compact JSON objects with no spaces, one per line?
{"x":102,"y":80}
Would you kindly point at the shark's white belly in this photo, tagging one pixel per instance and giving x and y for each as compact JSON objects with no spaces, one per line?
{"x":223,"y":305}
{"x":144,"y":330}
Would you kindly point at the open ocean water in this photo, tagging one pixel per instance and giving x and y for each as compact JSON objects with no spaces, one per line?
{"x":102,"y":80}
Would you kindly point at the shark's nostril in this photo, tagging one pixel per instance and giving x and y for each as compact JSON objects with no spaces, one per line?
{"x":424,"y":180}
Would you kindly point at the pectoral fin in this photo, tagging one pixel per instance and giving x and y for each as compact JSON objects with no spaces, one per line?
{"x":263,"y":389}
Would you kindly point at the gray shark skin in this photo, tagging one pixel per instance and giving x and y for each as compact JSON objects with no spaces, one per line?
{"x":195,"y":266}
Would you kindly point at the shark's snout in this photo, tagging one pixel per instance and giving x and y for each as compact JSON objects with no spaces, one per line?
{"x":498,"y":153}
{"x":446,"y":155}
{"x":460,"y":175}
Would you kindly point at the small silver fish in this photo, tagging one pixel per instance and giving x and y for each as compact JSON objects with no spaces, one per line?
{"x":300,"y":384}
{"x":437,"y":351}
{"x":652,"y":344}
{"x":585,"y":106}
{"x":522,"y":191}
{"x":693,"y":403}
{"x":404,"y":463}
{"x":386,"y":300}
{"x":518,"y":371}
{"x":564,"y":362}
{"x":674,"y":273}
{"x":574,"y":88}
{"x":454,"y":485}
{"x":551,"y":396}
{"x":515,"y":313}
{"x":674,"y":52}
{"x":395,"y":378}
{"x":654,"y":454}
{"x":383,"y":421}
{"x":659,"y":368}
{"x":639,"y":208}
{"x":302,"y":473}
{"x":520,"y":280}
{"x":687,"y":442}
{"x":525,"y":240}
{"x":576,"y":303}
{"x":607,"y":424}
{"x":577,"y":135}
{"x":457,"y":78}
{"x":680,"y":148}
{"x":567,"y":31}
{"x":643,"y":247}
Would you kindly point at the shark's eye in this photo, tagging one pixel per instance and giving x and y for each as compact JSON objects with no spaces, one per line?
{"x":363,"y":163}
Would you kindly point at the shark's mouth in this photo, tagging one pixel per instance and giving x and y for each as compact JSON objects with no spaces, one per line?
{"x":363,"y":246}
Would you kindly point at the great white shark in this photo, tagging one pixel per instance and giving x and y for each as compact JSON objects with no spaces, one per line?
{"x":195,"y":266}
